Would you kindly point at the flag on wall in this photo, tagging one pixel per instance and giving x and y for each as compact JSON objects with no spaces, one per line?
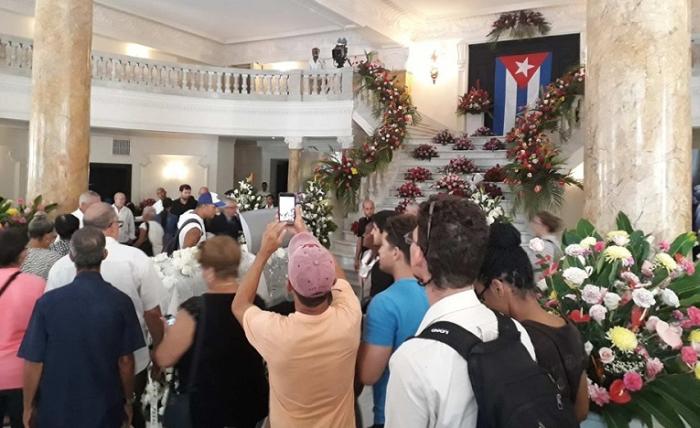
{"x":517,"y":83}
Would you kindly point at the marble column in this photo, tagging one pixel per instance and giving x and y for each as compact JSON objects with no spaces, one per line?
{"x":294,"y":175}
{"x":346,"y":142}
{"x":59,"y":130}
{"x":637,"y":115}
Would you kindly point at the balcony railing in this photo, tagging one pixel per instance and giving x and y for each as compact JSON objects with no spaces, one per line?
{"x":126,"y":72}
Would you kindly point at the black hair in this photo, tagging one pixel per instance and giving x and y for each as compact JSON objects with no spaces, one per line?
{"x":458,"y":238}
{"x":396,"y":228}
{"x":185,"y":187}
{"x":505,"y":259}
{"x":312,"y":302}
{"x":12,"y":242}
{"x":380,"y":219}
{"x":66,"y":225}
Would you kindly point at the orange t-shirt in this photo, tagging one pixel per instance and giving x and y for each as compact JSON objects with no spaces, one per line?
{"x":311,"y":360}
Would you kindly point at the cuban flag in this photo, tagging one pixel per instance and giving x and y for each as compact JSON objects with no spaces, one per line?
{"x":517,"y":84}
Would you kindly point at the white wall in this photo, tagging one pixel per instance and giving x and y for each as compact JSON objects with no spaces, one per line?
{"x":13,"y":159}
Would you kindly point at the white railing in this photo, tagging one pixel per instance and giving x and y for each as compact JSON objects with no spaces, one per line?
{"x":195,"y":80}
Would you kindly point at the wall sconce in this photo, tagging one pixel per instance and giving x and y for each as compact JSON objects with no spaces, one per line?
{"x":434,"y":70}
{"x":175,"y":171}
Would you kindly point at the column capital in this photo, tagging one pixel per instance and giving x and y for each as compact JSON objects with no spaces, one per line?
{"x":294,"y":142}
{"x":346,"y":142}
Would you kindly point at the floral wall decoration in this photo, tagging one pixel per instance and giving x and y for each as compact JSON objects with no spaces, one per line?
{"x":19,"y":213}
{"x":635,"y":304}
{"x":535,"y":172}
{"x":523,"y":24}
{"x":396,"y":111}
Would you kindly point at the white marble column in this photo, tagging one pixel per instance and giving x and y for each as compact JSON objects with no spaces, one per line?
{"x":59,"y":129}
{"x":296,"y":145}
{"x":346,"y":143}
{"x":637,"y":114}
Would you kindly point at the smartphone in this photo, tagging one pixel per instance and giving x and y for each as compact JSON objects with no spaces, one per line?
{"x":287,"y":203}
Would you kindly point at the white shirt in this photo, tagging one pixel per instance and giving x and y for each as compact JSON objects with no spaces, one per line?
{"x":316,"y":65}
{"x":158,"y":206}
{"x":155,"y":235}
{"x":79,"y":214}
{"x":127,"y":228}
{"x":199,"y":225}
{"x":429,"y":383}
{"x":127,"y":269}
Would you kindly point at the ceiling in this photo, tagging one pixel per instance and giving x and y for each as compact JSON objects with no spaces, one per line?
{"x":236,"y":21}
{"x":431,"y":9}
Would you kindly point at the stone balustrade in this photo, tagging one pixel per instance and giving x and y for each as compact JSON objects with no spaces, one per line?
{"x":126,"y":72}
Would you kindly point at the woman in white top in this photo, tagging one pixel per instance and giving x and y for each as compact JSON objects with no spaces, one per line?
{"x":151,"y":231}
{"x":545,"y":226}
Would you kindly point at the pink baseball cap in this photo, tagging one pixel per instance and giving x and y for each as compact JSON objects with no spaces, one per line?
{"x":311,"y":266}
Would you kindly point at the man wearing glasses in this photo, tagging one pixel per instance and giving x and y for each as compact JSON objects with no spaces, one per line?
{"x":429,"y":381}
{"x":131,"y":271}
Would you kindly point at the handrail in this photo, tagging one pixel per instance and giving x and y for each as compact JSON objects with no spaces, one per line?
{"x":127,"y":72}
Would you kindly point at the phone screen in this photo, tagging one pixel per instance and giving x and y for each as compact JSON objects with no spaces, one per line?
{"x":286,"y":207}
{"x":170,"y":319}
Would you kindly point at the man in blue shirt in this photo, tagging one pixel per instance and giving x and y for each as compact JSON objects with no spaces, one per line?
{"x":79,"y":345}
{"x":393,"y":315}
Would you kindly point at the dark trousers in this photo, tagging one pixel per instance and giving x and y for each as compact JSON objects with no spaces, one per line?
{"x":11,"y":405}
{"x":140,"y":381}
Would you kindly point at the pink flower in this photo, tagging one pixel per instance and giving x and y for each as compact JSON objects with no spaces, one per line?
{"x":688,"y":266}
{"x":689,"y":356}
{"x":654,"y":367}
{"x":671,"y":336}
{"x":607,"y":355}
{"x":647,"y":268}
{"x":599,"y":246}
{"x":21,"y":201}
{"x":694,"y":315}
{"x":664,"y":246}
{"x":677,"y":314}
{"x":599,"y":395}
{"x":633,"y":381}
{"x":651,"y":323}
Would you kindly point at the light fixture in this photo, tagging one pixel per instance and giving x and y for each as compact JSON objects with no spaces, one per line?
{"x":434,"y":69}
{"x":175,"y":171}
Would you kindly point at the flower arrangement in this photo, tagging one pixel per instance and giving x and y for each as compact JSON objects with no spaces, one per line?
{"x":452,"y":184}
{"x":317,"y":211}
{"x":634,"y":305}
{"x":401,"y":207}
{"x":247,"y":196}
{"x":491,"y":189}
{"x":355,"y":227}
{"x":535,"y":169}
{"x":418,"y":174}
{"x":343,"y":174}
{"x":495,"y":174}
{"x":521,"y":24}
{"x":183,"y":263}
{"x":396,"y":111}
{"x":444,"y":138}
{"x":425,"y":152}
{"x":461,"y":165}
{"x":18,"y":213}
{"x":475,"y":101}
{"x":484,"y":131}
{"x":494,"y":144}
{"x":463,"y":143}
{"x":490,"y":205}
{"x":409,"y":190}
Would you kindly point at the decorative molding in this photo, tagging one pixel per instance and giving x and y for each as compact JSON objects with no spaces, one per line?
{"x":294,"y":143}
{"x":346,"y":142}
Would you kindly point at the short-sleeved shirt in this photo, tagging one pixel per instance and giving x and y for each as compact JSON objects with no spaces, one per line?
{"x":311,"y":361}
{"x":79,"y":332}
{"x":129,"y":270}
{"x":39,"y":261}
{"x":198,"y":223}
{"x":16,"y":306}
{"x":393,"y":316}
{"x":155,"y":235}
{"x":560,"y":351}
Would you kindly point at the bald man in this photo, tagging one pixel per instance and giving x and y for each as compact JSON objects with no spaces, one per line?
{"x":127,"y":226}
{"x":86,"y":199}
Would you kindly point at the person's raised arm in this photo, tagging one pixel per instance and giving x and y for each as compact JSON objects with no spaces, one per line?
{"x":245,"y":296}
{"x":152,"y":317}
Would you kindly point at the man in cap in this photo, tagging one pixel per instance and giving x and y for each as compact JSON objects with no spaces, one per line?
{"x":191,"y":230}
{"x":310,"y":353}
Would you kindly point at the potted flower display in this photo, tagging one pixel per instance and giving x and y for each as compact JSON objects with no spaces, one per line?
{"x":473,"y":105}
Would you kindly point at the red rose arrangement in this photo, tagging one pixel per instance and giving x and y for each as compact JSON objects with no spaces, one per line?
{"x":452,"y":184}
{"x":491,"y":189}
{"x":494,"y":144}
{"x":521,"y":24}
{"x":444,"y":138}
{"x":409,"y":190}
{"x":418,"y":174}
{"x":425,"y":152}
{"x":495,"y":174}
{"x":461,"y":165}
{"x":484,"y":131}
{"x":463,"y":143}
{"x":475,"y":101}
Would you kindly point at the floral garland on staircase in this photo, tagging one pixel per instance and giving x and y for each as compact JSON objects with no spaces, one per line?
{"x":396,"y":111}
{"x":535,"y":170}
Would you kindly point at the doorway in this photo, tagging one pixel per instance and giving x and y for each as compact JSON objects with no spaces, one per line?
{"x":280,"y":170}
{"x":110,"y":178}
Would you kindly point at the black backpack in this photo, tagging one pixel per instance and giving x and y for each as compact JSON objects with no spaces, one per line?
{"x":174,"y":243}
{"x":511,"y":390}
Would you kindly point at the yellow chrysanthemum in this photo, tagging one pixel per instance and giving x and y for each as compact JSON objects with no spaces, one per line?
{"x":697,"y":370}
{"x":12,"y":212}
{"x":623,"y":339}
{"x":354,"y":171}
{"x":553,"y":295}
{"x":666,"y":261}
{"x":694,"y":336}
{"x":615,"y":252}
{"x":587,"y":242}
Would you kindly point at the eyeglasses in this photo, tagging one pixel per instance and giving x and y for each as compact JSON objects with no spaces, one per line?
{"x":480,"y":295}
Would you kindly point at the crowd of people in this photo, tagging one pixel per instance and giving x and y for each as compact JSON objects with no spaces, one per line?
{"x":78,"y":343}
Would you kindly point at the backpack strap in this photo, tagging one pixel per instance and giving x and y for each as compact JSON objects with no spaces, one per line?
{"x":179,"y":231}
{"x":506,"y":327}
{"x":9,"y":281}
{"x":452,"y":335}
